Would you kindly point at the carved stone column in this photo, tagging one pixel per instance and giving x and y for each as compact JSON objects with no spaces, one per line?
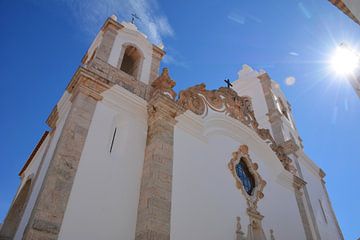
{"x":48,"y":212}
{"x":153,"y":220}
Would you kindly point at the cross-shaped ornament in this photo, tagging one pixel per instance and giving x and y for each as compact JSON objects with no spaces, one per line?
{"x":133,"y":17}
{"x":228,"y":83}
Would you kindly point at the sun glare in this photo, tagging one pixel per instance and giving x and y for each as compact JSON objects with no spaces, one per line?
{"x":344,"y":60}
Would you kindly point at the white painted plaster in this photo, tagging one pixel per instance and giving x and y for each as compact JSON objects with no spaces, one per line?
{"x":205,"y":200}
{"x":104,"y":198}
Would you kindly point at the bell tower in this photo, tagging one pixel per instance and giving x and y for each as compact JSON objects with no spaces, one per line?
{"x":99,"y":125}
{"x":123,"y":54}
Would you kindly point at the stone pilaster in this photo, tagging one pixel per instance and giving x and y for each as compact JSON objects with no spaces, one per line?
{"x":155,"y":63}
{"x":48,"y":212}
{"x":153,"y":220}
{"x":273,"y":114}
{"x":299,"y":184}
{"x":109,"y":31}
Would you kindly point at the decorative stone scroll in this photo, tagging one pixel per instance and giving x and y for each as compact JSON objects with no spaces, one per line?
{"x":198,"y":100}
{"x":164,"y":84}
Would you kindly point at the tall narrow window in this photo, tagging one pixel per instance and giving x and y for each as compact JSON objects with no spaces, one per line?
{"x":131,"y":61}
{"x":112,"y":140}
{"x":245,"y":176}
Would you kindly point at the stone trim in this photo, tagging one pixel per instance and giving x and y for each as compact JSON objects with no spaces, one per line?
{"x":48,"y":212}
{"x":322,"y":176}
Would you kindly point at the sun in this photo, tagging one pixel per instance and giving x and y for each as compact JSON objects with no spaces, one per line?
{"x":344,"y":61}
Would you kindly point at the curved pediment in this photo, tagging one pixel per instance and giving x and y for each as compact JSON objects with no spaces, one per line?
{"x":199,"y":100}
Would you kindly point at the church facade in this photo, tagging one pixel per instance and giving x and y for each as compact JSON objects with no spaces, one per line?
{"x":126,"y":157}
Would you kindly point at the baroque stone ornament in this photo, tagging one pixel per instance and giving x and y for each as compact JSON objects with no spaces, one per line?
{"x":164,"y":84}
{"x":198,"y":100}
{"x":242,"y":154}
{"x":239,"y":233}
{"x":255,"y":230}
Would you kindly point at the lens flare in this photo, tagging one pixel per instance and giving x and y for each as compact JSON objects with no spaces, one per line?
{"x":344,"y":60}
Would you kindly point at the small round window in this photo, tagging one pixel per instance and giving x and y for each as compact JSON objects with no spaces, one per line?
{"x":245,"y":176}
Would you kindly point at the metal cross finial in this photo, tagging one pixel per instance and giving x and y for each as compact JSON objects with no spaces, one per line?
{"x":133,"y":17}
{"x":228,"y":83}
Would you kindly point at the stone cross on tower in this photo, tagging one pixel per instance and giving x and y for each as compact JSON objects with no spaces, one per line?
{"x":134,"y":16}
{"x":228,"y":83}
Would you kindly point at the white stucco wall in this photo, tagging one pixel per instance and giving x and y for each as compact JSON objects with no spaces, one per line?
{"x":105,"y":195}
{"x":316,"y":192}
{"x":205,"y":200}
{"x":129,"y":34}
{"x":248,"y":84}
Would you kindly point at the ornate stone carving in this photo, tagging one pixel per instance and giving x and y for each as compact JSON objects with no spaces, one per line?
{"x":198,"y":100}
{"x":257,"y":193}
{"x":164,"y":84}
{"x":272,"y":234}
{"x":239,"y":233}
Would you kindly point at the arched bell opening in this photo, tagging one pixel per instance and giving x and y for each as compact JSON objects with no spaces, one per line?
{"x":131,"y":61}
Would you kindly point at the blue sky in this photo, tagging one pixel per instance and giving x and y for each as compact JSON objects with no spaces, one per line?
{"x":43,"y":41}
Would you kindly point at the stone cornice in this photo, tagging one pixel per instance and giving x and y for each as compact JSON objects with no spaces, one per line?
{"x":33,"y":153}
{"x":289,"y":146}
{"x":111,"y":23}
{"x":88,"y":83}
{"x":53,"y":117}
{"x":158,"y":51}
{"x":299,"y":183}
{"x":322,"y":174}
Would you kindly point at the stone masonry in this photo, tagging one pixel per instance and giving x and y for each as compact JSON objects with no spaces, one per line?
{"x":153,"y":221}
